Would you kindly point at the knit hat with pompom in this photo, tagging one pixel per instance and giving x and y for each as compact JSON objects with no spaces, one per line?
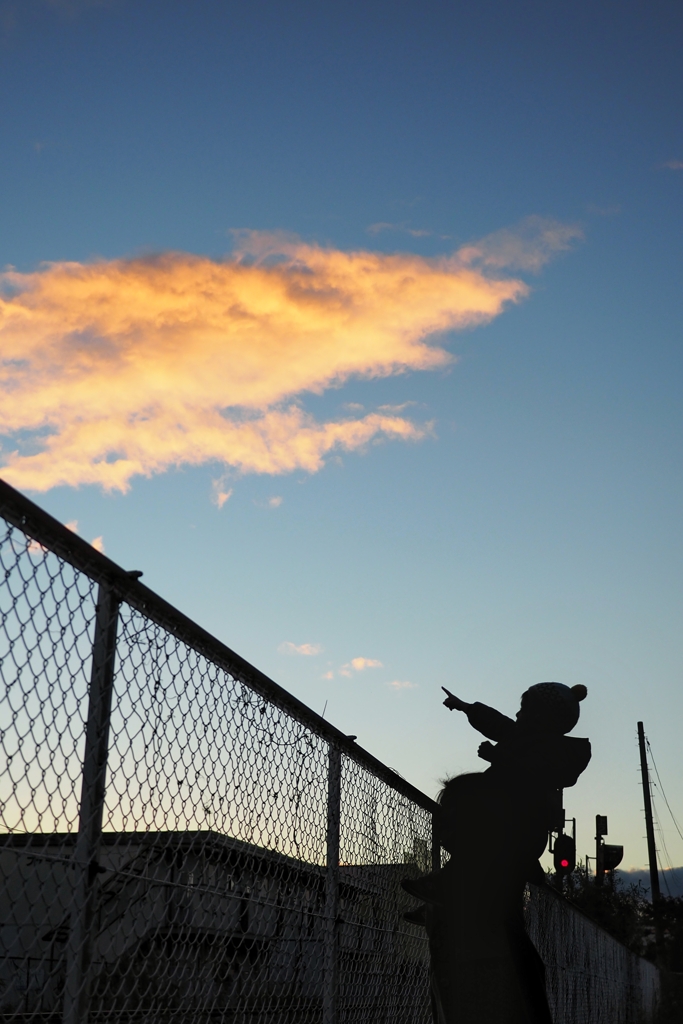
{"x":554,"y":706}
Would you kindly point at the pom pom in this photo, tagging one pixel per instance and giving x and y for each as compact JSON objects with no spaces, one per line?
{"x":579,"y":691}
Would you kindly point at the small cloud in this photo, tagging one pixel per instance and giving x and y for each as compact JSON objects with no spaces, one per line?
{"x":72,"y":525}
{"x":273,"y":502}
{"x":398,"y":684}
{"x":673,"y":165}
{"x":360,"y":664}
{"x":219,"y":496}
{"x":308,"y":650}
{"x":396,"y":408}
{"x":353,"y":407}
{"x":34,"y":548}
{"x":328,"y":675}
{"x":375,"y":229}
{"x":98,"y":544}
{"x":528,"y":245}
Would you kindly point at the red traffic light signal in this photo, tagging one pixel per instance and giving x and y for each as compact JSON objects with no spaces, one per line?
{"x":564,"y":854}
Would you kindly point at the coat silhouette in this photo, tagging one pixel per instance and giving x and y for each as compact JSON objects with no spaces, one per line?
{"x":484,"y":968}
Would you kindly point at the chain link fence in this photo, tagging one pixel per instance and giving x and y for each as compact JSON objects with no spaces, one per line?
{"x":182,"y":840}
{"x":590,"y":977}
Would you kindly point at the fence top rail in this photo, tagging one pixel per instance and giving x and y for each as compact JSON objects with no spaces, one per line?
{"x":24,"y":514}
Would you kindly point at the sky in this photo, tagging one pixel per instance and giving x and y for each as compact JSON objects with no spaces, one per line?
{"x":357,"y":328}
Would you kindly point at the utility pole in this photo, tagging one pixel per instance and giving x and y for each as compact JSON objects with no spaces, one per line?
{"x":649,"y":826}
{"x":600,"y":831}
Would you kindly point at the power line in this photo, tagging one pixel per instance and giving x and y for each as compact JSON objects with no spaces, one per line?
{"x":661,"y":789}
{"x":658,"y":785}
{"x":663,"y":841}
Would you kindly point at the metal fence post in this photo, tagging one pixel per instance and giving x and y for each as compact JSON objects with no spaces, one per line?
{"x":331,"y":955}
{"x":81,"y":939}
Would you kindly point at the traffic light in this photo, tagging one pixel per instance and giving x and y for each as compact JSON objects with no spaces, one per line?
{"x":564,"y":854}
{"x":612,"y":857}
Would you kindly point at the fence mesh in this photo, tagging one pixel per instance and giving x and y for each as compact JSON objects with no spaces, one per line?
{"x":202,"y":890}
{"x":47,"y":612}
{"x":590,"y":977}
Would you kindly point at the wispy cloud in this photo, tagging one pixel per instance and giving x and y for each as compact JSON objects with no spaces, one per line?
{"x":528,"y":245}
{"x":129,"y":367}
{"x":396,"y":408}
{"x":98,"y":544}
{"x":273,"y":502}
{"x":398,"y":684}
{"x":219,"y":495}
{"x":376,"y":229}
{"x":308,"y":650}
{"x":673,"y":165}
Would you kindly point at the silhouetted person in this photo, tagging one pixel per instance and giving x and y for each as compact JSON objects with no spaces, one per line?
{"x":484,"y":968}
{"x":534,"y":747}
{"x":533,"y":759}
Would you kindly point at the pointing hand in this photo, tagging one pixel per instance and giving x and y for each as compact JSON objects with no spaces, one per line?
{"x":454,"y":703}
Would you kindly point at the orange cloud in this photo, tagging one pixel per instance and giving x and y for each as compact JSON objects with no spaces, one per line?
{"x":129,"y":367}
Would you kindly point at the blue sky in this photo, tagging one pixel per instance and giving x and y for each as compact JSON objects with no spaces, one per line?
{"x":534,"y":531}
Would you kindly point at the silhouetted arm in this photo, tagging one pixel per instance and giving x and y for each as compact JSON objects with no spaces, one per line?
{"x":489,"y":722}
